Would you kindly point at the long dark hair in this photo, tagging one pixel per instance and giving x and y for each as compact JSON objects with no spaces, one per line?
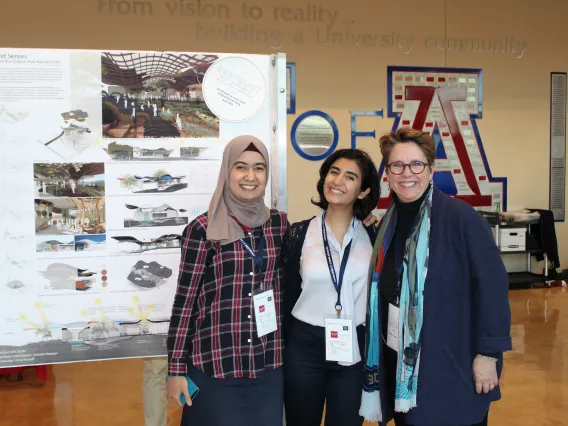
{"x":369,"y":179}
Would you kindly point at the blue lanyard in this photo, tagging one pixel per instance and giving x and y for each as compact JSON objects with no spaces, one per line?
{"x":336,"y":284}
{"x":259,"y":257}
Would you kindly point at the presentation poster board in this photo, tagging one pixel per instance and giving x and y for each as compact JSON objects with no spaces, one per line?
{"x":105,"y":157}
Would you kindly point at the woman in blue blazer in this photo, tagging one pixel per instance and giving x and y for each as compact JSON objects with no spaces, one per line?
{"x":438,"y":317}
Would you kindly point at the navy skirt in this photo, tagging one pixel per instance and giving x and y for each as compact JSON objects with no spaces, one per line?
{"x":236,"y":402}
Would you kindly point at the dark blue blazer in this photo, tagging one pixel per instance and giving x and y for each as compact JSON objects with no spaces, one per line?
{"x":466,"y":312}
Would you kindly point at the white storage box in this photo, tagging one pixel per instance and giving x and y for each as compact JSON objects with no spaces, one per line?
{"x":512,"y":239}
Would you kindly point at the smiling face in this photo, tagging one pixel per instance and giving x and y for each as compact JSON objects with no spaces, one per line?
{"x":407,"y":185}
{"x":342,"y":184}
{"x":248,"y":176}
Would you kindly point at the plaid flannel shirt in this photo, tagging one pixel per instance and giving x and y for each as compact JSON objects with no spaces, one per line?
{"x":212,"y":324}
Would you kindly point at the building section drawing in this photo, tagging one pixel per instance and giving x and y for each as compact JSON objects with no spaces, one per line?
{"x":150,"y":178}
{"x":150,"y":216}
{"x":183,"y":178}
{"x":135,"y":245}
{"x":132,"y":151}
{"x":155,"y":95}
{"x":101,"y":326}
{"x":160,"y":182}
{"x":108,"y":331}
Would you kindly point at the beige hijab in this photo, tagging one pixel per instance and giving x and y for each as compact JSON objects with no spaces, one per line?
{"x":222,"y":227}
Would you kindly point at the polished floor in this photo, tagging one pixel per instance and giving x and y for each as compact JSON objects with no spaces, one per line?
{"x":534,"y":384}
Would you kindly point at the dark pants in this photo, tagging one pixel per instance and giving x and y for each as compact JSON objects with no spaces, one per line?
{"x":236,"y":402}
{"x":399,"y":420}
{"x":310,"y":381}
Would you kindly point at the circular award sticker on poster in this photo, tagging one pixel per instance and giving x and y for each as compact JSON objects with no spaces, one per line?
{"x":234,"y":89}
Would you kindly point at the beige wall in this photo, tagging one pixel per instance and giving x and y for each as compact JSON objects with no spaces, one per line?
{"x":339,"y":78}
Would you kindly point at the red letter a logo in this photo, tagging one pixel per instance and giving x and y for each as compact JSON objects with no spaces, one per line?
{"x":445,"y":103}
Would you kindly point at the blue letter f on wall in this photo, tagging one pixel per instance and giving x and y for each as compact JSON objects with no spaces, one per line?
{"x":354,"y":132}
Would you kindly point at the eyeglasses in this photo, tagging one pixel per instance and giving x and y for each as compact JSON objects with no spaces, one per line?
{"x":416,"y":167}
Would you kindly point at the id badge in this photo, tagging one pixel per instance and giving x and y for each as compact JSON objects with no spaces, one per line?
{"x":392,"y":328}
{"x":265,"y":312}
{"x":339,"y":339}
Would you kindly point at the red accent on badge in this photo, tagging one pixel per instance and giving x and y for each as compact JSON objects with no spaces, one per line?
{"x":261,"y":308}
{"x":334,"y":335}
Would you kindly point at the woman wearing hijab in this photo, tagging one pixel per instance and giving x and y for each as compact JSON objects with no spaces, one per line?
{"x":225,"y":329}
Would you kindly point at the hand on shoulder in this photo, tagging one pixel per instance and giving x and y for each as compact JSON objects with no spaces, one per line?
{"x":372,"y":219}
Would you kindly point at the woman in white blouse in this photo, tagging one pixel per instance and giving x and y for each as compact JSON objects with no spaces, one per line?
{"x":326,"y":259}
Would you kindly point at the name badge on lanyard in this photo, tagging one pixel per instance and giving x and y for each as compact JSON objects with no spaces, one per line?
{"x":265,"y":312}
{"x":393,"y":327}
{"x":339,"y":339}
{"x":338,"y":330}
{"x":263,"y":300}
